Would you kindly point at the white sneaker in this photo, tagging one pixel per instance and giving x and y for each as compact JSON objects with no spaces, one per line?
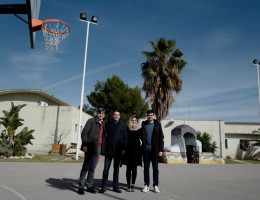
{"x":146,"y":189}
{"x":156,"y":189}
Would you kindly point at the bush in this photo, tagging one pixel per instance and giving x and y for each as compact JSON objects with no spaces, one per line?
{"x":21,"y":140}
{"x":6,"y":149}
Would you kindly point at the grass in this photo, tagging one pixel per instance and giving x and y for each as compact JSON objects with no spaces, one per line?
{"x":230,"y":161}
{"x":46,"y":158}
{"x":252,"y":161}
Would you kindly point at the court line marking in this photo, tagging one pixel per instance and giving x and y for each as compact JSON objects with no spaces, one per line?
{"x":18,"y":194}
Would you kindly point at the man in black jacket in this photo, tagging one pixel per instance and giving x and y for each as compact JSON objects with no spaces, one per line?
{"x":93,"y":140}
{"x":115,"y":146}
{"x":153,"y":147}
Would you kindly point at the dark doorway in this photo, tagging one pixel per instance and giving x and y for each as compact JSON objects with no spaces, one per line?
{"x":189,"y":153}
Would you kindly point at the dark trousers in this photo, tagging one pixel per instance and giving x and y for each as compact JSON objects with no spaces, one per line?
{"x":131,"y":172}
{"x":107,"y":164}
{"x":89,"y":166}
{"x":148,"y":157}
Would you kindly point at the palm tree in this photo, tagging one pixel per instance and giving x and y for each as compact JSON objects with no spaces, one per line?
{"x":256,"y":131}
{"x":162,"y":75}
{"x":11,"y":120}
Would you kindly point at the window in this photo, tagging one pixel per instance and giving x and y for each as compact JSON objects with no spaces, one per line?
{"x":226,"y":143}
{"x":76,"y":128}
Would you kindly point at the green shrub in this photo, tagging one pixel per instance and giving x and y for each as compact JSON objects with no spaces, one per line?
{"x":23,"y":138}
{"x":207,"y":145}
{"x":6,"y":149}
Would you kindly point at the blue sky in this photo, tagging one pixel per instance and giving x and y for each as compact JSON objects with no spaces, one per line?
{"x":219,"y":39}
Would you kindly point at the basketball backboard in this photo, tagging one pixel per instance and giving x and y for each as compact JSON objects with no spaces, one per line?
{"x":30,"y":8}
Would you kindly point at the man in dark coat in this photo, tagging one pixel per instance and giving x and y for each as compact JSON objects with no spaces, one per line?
{"x":115,"y":146}
{"x":153,"y":143}
{"x":93,"y":143}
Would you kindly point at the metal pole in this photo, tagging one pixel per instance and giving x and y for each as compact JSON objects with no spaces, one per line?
{"x":82,"y":93}
{"x":257,"y":67}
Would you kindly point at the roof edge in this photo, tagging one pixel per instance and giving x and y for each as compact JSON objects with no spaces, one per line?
{"x":35,"y":91}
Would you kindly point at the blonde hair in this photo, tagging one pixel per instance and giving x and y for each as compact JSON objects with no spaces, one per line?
{"x":129,"y":124}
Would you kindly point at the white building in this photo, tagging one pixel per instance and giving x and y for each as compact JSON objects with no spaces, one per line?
{"x":52,"y":118}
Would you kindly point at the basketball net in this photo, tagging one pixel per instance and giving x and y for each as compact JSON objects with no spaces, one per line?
{"x":54,"y":31}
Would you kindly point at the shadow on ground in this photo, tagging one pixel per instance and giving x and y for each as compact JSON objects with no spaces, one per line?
{"x":72,"y":184}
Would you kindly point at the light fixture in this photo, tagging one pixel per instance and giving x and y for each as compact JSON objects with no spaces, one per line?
{"x":83,"y":16}
{"x":94,"y":19}
{"x":255,"y":61}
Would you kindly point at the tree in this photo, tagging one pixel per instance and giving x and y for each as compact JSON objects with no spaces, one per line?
{"x":114,"y":94}
{"x":162,"y":75}
{"x":11,"y":120}
{"x":205,"y":139}
{"x":11,"y":143}
{"x":88,"y":109}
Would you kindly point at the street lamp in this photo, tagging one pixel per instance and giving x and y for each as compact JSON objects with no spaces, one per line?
{"x":83,"y":18}
{"x":257,"y":63}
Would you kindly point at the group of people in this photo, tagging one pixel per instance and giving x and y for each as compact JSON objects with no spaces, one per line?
{"x":125,"y":145}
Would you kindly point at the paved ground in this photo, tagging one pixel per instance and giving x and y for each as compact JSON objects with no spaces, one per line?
{"x":49,"y":181}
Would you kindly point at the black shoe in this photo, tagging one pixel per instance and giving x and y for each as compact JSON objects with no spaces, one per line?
{"x":81,"y":191}
{"x":116,"y":189}
{"x":91,"y":190}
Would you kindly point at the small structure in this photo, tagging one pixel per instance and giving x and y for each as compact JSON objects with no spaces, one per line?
{"x":185,"y":148}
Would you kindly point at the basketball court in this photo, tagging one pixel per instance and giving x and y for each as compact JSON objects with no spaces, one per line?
{"x":59,"y":181}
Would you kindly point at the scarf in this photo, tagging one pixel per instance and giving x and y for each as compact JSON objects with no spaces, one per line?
{"x":135,"y":127}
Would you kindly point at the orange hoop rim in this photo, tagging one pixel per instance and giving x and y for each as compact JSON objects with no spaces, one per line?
{"x":53,"y":32}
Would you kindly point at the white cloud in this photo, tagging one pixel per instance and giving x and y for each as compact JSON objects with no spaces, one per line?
{"x":221,"y":38}
{"x":31,"y":66}
{"x":32,"y":60}
{"x":88,"y":73}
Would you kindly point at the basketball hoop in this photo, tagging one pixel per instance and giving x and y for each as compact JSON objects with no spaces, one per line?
{"x":54,"y":31}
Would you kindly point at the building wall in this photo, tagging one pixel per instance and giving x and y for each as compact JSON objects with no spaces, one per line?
{"x":235,"y":132}
{"x":49,"y":122}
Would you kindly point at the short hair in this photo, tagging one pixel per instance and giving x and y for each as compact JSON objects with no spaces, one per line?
{"x":149,"y":112}
{"x":115,"y":111}
{"x":101,"y":110}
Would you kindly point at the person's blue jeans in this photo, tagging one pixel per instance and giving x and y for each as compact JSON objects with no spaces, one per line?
{"x":148,"y":157}
{"x":107,"y":164}
{"x":89,"y":166}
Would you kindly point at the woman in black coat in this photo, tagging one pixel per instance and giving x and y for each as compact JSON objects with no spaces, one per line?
{"x":133,"y":151}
